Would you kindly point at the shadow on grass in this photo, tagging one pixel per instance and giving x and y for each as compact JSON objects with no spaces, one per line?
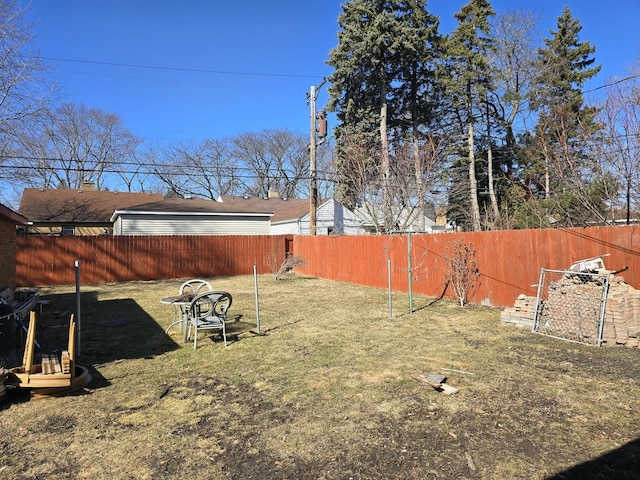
{"x":620,"y":464}
{"x":109,"y":330}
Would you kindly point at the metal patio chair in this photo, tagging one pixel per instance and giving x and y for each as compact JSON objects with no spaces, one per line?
{"x":194,"y":286}
{"x":186,"y":292}
{"x":208,"y":311}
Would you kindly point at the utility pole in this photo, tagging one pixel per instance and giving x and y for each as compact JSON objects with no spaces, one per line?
{"x":313,"y":145}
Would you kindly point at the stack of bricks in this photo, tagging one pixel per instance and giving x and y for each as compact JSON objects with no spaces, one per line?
{"x":621,"y":317}
{"x":622,"y":314}
{"x":573,"y":307}
{"x":522,"y":312}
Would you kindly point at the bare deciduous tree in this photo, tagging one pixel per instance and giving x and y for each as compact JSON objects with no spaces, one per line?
{"x":274,"y":160}
{"x":24,"y":92}
{"x":247,"y":164}
{"x":620,"y":147}
{"x":463,"y":271}
{"x":205,"y":170}
{"x":71,"y":145}
{"x":415,"y":172}
{"x":412,"y":178}
{"x":280,"y":267}
{"x":514,"y":59}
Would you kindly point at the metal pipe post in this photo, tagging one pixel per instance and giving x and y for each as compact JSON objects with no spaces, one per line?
{"x":255,"y":287}
{"x":78,"y":322}
{"x":389,"y":288}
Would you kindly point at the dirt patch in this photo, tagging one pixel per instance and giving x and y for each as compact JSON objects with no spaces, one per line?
{"x":391,"y":449}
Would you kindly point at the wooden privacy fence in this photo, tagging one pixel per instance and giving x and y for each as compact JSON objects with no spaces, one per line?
{"x":509,"y":262}
{"x":51,"y":260}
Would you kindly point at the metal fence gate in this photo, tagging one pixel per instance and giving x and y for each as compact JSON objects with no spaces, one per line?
{"x":571,"y":305}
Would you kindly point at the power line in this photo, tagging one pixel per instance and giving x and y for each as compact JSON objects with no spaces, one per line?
{"x":63,"y":164}
{"x":184,"y":170}
{"x":181,"y":69}
{"x":611,"y":84}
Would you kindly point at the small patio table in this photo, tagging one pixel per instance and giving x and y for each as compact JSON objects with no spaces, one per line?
{"x":180,"y":315}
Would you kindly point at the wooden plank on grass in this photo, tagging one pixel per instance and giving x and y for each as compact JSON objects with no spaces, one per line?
{"x":439,"y":386}
{"x":426,"y":381}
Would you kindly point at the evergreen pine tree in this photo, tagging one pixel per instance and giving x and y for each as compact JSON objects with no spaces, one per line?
{"x":377,"y":63}
{"x":467,"y":76}
{"x":564,"y":64}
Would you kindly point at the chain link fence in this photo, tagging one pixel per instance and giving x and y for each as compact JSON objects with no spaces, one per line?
{"x":571,"y":305}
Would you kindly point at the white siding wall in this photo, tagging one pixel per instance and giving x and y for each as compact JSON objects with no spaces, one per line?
{"x":341,"y":220}
{"x":352,"y":223}
{"x":190,"y":225}
{"x":331,"y":216}
{"x":284,"y":228}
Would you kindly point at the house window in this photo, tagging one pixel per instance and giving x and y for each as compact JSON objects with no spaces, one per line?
{"x":68,"y":230}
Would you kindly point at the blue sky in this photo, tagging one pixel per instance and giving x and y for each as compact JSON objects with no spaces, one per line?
{"x":189,"y":70}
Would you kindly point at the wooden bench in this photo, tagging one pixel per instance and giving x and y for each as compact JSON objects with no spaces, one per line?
{"x":52,"y":371}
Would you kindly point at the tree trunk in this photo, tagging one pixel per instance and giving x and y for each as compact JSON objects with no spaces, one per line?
{"x":386,"y":164}
{"x":492,"y":190}
{"x":628,"y":200}
{"x":417,"y":165}
{"x":473,"y":183}
{"x":547,"y":183}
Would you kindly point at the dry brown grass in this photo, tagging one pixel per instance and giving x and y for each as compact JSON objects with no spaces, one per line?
{"x":325,"y":393}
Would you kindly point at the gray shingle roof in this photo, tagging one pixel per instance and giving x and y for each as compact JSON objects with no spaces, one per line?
{"x":10,"y":216}
{"x":189,"y":206}
{"x":77,"y":206}
{"x":289,"y":209}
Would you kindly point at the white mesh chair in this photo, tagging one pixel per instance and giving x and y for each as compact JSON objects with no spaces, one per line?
{"x":194,"y":287}
{"x":187,"y":291}
{"x":208,"y":311}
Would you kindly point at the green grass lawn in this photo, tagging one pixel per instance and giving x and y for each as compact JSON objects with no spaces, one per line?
{"x":324,"y":392}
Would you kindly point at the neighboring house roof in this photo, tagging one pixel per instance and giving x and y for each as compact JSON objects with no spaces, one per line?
{"x":283,"y":209}
{"x":9,"y":215}
{"x":77,"y":206}
{"x":188,"y":206}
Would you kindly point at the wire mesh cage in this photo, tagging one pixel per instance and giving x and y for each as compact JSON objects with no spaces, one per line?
{"x":571,"y":305}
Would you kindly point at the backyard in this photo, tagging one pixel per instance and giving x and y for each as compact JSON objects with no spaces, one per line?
{"x":323,"y":390}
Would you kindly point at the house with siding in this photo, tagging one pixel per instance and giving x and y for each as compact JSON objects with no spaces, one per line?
{"x":291,"y":215}
{"x":75,"y":212}
{"x":189,"y":216}
{"x":406,"y":219}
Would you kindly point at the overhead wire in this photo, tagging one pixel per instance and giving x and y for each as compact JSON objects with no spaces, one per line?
{"x":229,"y":72}
{"x":179,"y":170}
{"x":183,"y":69}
